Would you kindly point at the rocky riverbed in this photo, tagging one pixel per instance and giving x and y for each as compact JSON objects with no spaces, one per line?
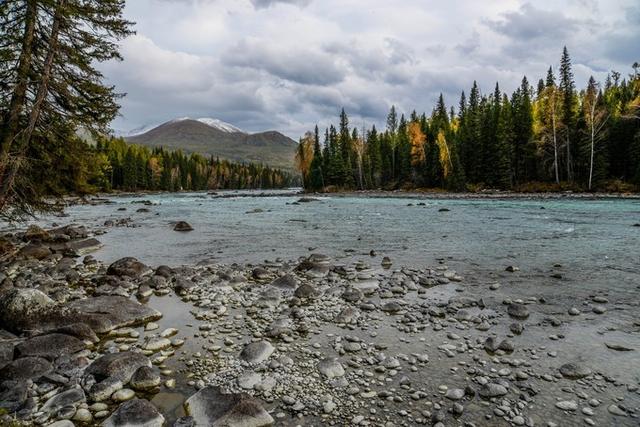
{"x":307,"y":341}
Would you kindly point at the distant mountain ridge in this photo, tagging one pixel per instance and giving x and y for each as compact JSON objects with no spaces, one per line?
{"x":213,"y":137}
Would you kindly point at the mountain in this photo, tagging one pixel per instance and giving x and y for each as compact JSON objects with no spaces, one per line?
{"x":209,"y":136}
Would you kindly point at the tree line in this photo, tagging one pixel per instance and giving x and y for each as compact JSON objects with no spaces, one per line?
{"x":547,"y":137}
{"x":132,"y":167}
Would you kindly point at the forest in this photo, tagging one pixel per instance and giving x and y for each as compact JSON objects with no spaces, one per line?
{"x":132,"y":167}
{"x":547,"y":137}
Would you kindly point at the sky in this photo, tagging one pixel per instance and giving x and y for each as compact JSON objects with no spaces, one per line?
{"x":287,"y":65}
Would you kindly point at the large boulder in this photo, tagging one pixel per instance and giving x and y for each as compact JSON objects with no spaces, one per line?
{"x":107,"y":312}
{"x":70,"y":232}
{"x":118,"y":365}
{"x":26,"y":368}
{"x":22,"y":309}
{"x":6,"y":353}
{"x":50,"y":346}
{"x":82,"y":247}
{"x":13,"y":394}
{"x":71,"y":397}
{"x":34,"y":251}
{"x":210,"y":407}
{"x":35,"y":233}
{"x":128,"y":266}
{"x":135,"y":413}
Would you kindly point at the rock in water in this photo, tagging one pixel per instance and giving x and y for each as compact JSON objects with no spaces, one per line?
{"x":574,"y":371}
{"x":135,"y":413}
{"x":105,"y":313}
{"x":618,"y":346}
{"x":127,"y":266}
{"x":210,"y":407}
{"x":257,"y":352}
{"x":145,"y":378}
{"x":182,"y":226}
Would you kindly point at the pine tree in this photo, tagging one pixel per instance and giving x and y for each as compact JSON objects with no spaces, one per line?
{"x":568,"y":118}
{"x":60,"y":41}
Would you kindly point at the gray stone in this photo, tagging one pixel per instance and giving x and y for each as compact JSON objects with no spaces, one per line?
{"x":567,"y":405}
{"x":490,"y":390}
{"x":306,"y":291}
{"x":34,"y":251}
{"x":71,"y":397}
{"x":105,"y":313}
{"x":119,"y":365}
{"x":518,"y":311}
{"x":128,"y":266}
{"x":13,"y":395}
{"x":49,"y":346}
{"x":288,"y":281}
{"x":210,"y":407}
{"x":454,"y":394}
{"x":21,"y":309}
{"x":616,"y":410}
{"x":574,"y":371}
{"x":25,"y":368}
{"x":330,"y":368}
{"x":104,"y":389}
{"x":145,"y":378}
{"x":135,"y":413}
{"x":257,"y":352}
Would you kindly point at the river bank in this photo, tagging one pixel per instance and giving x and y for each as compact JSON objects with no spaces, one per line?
{"x":307,"y":341}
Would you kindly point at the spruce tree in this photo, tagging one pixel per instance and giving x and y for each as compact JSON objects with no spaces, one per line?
{"x":60,"y":42}
{"x":567,"y":87}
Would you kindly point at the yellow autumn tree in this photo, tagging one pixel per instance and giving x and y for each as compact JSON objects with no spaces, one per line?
{"x":417,"y":140}
{"x":304,"y":156}
{"x":445,"y":154}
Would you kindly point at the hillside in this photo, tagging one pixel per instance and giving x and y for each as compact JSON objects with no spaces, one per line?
{"x":213,"y":137}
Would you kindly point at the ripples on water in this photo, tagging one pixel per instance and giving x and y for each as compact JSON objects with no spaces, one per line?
{"x":590,"y":238}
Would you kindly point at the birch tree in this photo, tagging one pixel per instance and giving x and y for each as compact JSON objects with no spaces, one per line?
{"x":596,"y":118}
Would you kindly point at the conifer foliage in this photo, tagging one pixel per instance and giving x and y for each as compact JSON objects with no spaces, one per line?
{"x":553,"y":137}
{"x":50,"y":84}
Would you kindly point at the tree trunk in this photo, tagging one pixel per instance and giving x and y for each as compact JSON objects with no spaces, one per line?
{"x":43,"y":90}
{"x":592,"y":146}
{"x":555,"y":147}
{"x":569,"y":176}
{"x":11,"y":121}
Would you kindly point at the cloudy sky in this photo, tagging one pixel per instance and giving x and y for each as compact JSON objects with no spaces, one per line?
{"x":288,"y":64}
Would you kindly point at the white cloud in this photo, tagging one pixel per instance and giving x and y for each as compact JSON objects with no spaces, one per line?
{"x":288,"y":64}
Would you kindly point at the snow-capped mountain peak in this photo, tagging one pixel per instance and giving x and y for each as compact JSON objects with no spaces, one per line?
{"x":214,"y":123}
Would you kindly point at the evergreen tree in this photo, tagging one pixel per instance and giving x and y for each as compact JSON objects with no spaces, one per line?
{"x":568,"y":118}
